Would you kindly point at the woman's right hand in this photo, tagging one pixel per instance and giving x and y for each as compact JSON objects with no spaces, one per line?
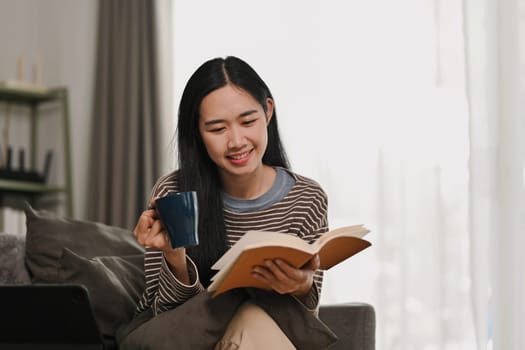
{"x":150,"y":232}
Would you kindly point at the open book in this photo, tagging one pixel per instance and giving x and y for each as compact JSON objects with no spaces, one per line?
{"x":235,"y":266}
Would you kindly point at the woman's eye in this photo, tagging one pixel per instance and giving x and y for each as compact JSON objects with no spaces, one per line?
{"x":217,"y":129}
{"x":248,"y":122}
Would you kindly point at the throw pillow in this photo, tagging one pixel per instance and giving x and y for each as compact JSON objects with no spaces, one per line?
{"x":115,"y":284}
{"x":47,"y":235}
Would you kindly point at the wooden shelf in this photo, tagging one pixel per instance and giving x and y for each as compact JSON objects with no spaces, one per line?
{"x":30,"y":187}
{"x":9,"y":94}
{"x":33,"y":97}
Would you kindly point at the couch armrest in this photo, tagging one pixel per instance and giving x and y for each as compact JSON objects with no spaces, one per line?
{"x":353,"y":323}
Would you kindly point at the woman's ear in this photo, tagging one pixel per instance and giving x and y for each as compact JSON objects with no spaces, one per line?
{"x":269,"y":110}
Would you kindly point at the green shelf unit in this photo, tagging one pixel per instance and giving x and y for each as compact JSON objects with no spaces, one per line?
{"x":30,"y":187}
{"x":33,"y":99}
{"x":14,"y":95}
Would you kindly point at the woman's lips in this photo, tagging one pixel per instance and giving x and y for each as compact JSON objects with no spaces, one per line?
{"x":239,"y":158}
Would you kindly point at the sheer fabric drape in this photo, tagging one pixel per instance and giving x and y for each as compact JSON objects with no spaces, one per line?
{"x":495,"y":36}
{"x":399,"y":162}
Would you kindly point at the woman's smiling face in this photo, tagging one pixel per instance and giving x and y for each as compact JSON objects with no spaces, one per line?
{"x":232,"y":125}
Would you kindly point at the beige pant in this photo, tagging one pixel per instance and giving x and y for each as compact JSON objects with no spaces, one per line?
{"x":251,"y":328}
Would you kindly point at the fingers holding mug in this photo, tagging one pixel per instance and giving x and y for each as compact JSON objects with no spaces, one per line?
{"x":149,"y":230}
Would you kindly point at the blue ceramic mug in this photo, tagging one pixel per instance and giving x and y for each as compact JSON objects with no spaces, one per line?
{"x":180,"y":215}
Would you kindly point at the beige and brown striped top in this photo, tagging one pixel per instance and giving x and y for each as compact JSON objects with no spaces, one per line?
{"x":302,"y":212}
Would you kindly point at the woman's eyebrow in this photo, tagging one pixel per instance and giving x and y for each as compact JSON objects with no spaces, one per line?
{"x":213,"y":121}
{"x":218,"y":121}
{"x":247,"y":113}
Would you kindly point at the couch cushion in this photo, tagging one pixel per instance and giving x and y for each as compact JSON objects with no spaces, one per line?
{"x":12,"y":266}
{"x":114,"y":283}
{"x":47,"y":235}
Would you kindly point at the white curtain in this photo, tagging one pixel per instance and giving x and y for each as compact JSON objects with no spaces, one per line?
{"x":392,"y":151}
{"x":495,"y":36}
{"x":405,"y":113}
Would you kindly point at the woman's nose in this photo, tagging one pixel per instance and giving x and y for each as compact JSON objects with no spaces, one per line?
{"x":236,"y":138}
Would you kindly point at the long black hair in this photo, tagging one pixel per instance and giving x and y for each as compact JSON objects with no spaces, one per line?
{"x":197,"y":172}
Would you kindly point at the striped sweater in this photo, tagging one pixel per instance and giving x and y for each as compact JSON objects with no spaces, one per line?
{"x":302,"y":212}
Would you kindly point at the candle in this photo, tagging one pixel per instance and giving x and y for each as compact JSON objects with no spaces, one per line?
{"x":20,"y":68}
{"x":37,"y":72}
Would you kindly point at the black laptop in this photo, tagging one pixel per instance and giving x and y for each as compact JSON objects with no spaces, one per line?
{"x":47,"y":316}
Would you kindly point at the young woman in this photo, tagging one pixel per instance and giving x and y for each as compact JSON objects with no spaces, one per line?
{"x":230,"y":153}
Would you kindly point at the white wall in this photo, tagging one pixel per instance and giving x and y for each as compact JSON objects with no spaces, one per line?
{"x":63,"y":34}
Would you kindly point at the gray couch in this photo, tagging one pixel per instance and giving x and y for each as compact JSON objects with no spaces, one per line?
{"x":102,"y":258}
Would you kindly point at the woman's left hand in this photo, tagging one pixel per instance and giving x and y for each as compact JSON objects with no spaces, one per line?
{"x":286,"y":279}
